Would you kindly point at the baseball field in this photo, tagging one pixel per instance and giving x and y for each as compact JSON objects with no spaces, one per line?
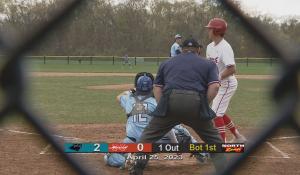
{"x":79,"y":102}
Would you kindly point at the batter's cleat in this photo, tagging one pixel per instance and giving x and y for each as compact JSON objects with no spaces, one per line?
{"x":239,"y":139}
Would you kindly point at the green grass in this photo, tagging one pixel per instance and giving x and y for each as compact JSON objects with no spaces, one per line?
{"x":66,"y":100}
{"x":256,"y":69}
{"x":62,"y":66}
{"x":252,"y":104}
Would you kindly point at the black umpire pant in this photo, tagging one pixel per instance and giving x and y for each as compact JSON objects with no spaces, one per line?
{"x":184,"y":107}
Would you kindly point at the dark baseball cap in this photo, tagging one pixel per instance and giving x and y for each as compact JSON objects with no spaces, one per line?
{"x":190,"y":43}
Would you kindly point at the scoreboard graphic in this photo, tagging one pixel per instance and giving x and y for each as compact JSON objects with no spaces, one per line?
{"x":153,"y":148}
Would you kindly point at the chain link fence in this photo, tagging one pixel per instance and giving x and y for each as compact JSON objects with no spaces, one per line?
{"x":133,"y":60}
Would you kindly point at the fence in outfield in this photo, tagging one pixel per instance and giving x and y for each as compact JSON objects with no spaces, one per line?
{"x":133,"y":60}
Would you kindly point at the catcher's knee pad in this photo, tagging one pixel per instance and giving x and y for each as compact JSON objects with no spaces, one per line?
{"x":114,"y":159}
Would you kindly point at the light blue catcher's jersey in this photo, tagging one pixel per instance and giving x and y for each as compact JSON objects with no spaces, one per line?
{"x":137,"y":122}
{"x":175,"y":49}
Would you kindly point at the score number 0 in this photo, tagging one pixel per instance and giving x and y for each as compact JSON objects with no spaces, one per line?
{"x":140,"y":147}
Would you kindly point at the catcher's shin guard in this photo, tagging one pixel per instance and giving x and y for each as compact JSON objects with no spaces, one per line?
{"x":114,"y":159}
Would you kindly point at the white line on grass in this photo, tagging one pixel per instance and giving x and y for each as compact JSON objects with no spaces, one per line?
{"x":64,"y":138}
{"x":45,"y":149}
{"x":283,"y":154}
{"x":21,"y":132}
{"x":268,"y":157}
{"x":51,"y":153}
{"x":283,"y":138}
{"x":31,"y":133}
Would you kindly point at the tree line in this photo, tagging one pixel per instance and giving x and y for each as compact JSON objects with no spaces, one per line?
{"x":137,"y":27}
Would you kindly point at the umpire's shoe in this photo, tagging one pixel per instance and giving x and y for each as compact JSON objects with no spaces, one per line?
{"x":138,"y":165}
{"x":136,"y":170}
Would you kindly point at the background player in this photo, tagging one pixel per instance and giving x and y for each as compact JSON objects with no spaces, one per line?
{"x":176,"y":48}
{"x":220,"y":51}
{"x":126,"y":60}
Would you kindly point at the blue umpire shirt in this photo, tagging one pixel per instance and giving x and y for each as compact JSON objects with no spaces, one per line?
{"x":187,"y":71}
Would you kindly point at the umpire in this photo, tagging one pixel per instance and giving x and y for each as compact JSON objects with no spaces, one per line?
{"x":183,"y":88}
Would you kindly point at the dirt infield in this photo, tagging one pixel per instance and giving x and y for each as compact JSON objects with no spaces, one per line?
{"x":130,"y":86}
{"x":23,"y":150}
{"x":77,"y":74}
{"x":71,"y":74}
{"x":112,"y":87}
{"x":123,"y":86}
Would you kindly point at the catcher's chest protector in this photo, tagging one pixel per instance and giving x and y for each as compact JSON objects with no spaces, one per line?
{"x":139,"y":107}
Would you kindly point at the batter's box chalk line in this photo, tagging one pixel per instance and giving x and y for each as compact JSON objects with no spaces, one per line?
{"x":284,"y":138}
{"x":283,"y":154}
{"x":48,"y":146}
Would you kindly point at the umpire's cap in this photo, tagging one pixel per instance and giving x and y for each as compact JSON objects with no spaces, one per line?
{"x":190,"y":43}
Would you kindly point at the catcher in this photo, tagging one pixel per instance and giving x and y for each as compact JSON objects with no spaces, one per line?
{"x":138,"y":103}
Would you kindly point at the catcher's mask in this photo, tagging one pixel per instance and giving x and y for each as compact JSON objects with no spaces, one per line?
{"x":144,"y":82}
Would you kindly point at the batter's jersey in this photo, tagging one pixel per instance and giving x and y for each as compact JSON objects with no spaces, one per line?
{"x":222,"y":54}
{"x":175,"y":49}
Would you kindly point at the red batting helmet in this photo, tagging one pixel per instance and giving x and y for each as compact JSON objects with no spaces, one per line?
{"x":218,"y":25}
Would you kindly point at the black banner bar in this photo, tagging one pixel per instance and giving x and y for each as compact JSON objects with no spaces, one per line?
{"x":198,"y":148}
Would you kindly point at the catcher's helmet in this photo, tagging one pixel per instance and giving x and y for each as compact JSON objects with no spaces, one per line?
{"x":140,"y":74}
{"x":218,"y":25}
{"x":144,"y":84}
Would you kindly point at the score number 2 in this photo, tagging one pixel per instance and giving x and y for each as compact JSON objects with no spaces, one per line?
{"x":97,"y":147}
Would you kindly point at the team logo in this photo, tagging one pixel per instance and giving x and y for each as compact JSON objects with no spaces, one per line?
{"x":118,"y":147}
{"x":216,"y":60}
{"x":76,"y":147}
{"x":233,"y":148}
